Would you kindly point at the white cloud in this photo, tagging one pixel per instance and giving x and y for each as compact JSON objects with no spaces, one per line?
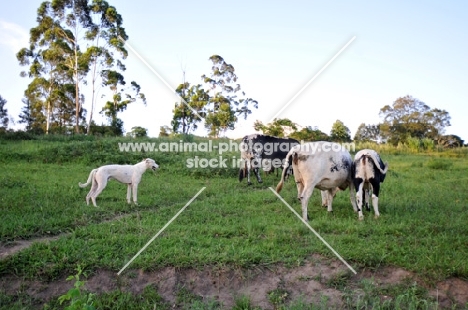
{"x":13,"y":36}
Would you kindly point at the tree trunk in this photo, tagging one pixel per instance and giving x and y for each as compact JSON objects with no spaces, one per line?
{"x":88,"y":130}
{"x":183,"y":119}
{"x":77,"y":96}
{"x":48,"y":117}
{"x":93,"y":95}
{"x":48,"y":111}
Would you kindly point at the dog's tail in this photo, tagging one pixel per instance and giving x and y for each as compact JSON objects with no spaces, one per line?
{"x":90,"y":179}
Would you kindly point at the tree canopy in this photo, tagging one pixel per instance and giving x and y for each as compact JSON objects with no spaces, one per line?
{"x":310,"y":133}
{"x":220,"y":105}
{"x":367,"y":133}
{"x":409,"y":117}
{"x":226,"y":101}
{"x":138,"y":132}
{"x":339,"y":132}
{"x":188,"y":112}
{"x":276,"y":127}
{"x":3,"y":113}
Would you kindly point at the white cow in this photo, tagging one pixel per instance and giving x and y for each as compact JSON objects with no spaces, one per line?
{"x":323,"y":165}
{"x":368,"y":172}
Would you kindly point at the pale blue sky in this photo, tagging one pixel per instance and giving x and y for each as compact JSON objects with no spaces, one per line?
{"x":401,"y":48}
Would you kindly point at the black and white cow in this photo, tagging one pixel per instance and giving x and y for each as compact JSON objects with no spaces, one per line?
{"x":263,"y":151}
{"x":323,"y":165}
{"x":368,"y":172}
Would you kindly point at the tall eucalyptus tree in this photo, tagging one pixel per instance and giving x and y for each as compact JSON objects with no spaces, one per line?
{"x":73,"y":41}
{"x":225,"y":105}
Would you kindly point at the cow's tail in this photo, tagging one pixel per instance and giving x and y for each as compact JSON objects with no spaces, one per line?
{"x":90,"y":179}
{"x":279,"y":187}
{"x":379,"y":163}
{"x":242,"y":171}
{"x":241,"y":174}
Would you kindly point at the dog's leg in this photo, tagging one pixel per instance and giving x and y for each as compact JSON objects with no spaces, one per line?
{"x":89,"y":195}
{"x":94,"y":186}
{"x":135,"y":190}
{"x":129,"y":193}
{"x":101,"y":184}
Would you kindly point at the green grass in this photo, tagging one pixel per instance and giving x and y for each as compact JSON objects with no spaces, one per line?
{"x":423,"y":203}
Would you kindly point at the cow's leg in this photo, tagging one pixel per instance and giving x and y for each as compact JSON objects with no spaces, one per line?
{"x":367,"y":191}
{"x":257,"y":174}
{"x":375,"y":204}
{"x":288,"y":172}
{"x":330,"y":195}
{"x":366,"y":199}
{"x":324,"y":195}
{"x":249,"y":167}
{"x":305,"y":200}
{"x":267,"y":167}
{"x":356,"y":196}
{"x":129,"y":193}
{"x":256,"y":169}
{"x":245,"y":167}
{"x":299,"y":185}
{"x":328,"y":199}
{"x":375,"y":197}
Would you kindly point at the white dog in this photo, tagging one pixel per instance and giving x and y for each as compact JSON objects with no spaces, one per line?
{"x":127,"y":174}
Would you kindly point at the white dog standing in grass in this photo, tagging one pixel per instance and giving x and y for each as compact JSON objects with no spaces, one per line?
{"x":127,"y":174}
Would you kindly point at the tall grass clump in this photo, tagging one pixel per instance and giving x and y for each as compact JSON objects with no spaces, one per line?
{"x":439,"y":164}
{"x":379,"y":148}
{"x":428,"y":144}
{"x":416,"y":145}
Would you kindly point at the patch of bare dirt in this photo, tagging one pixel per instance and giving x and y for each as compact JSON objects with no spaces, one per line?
{"x":318,"y":277}
{"x":450,"y":291}
{"x":16,"y":246}
{"x":19,"y":245}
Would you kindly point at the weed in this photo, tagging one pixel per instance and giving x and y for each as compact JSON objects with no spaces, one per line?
{"x":78,"y":299}
{"x":184,"y":296}
{"x":339,"y":280}
{"x":243,"y":303}
{"x":278,"y":297}
{"x":408,"y":296}
{"x":306,"y":278}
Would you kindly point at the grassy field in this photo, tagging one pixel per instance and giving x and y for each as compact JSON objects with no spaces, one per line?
{"x":423,"y":227}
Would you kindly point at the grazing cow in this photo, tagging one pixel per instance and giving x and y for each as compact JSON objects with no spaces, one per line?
{"x":263,"y":151}
{"x":323,"y":165}
{"x":368,"y":172}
